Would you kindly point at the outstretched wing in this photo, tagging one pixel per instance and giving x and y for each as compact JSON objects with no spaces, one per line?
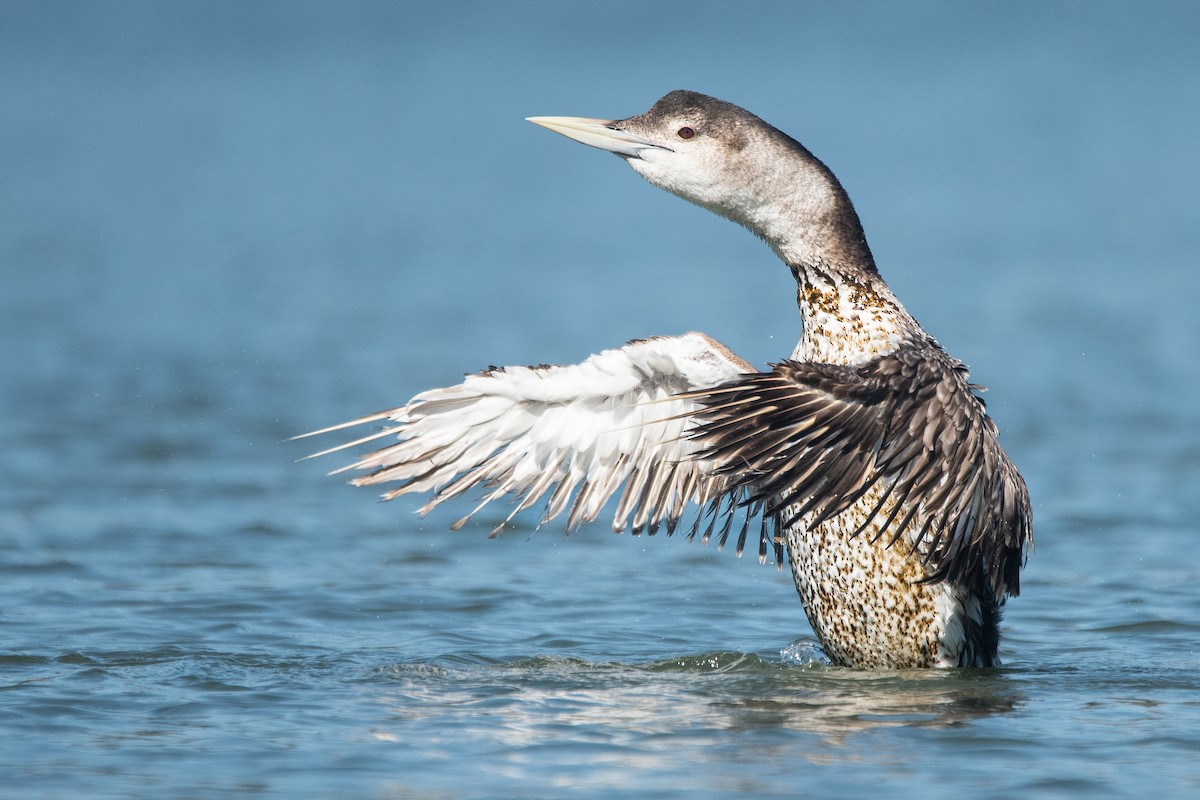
{"x":810,"y":440}
{"x":576,"y":436}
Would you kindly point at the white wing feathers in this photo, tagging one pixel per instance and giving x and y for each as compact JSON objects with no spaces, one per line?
{"x":573,"y":435}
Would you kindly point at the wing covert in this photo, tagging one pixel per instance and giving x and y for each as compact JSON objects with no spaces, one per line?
{"x":810,"y":440}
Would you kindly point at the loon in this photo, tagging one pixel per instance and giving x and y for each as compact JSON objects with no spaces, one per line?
{"x":867,"y":455}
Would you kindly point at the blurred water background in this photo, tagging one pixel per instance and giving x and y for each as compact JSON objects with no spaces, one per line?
{"x":224,"y":223}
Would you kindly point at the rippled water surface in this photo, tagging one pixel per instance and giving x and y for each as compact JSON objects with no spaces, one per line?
{"x":224,"y":224}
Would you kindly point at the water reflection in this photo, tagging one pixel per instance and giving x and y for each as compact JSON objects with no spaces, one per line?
{"x":694,"y":701}
{"x":839,"y":703}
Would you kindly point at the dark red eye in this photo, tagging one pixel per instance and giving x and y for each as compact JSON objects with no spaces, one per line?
{"x":685,"y":132}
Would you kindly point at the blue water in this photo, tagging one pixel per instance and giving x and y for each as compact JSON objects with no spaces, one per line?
{"x":222,"y":224}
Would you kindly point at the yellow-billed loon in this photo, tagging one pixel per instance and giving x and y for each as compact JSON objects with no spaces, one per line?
{"x":867,"y":454}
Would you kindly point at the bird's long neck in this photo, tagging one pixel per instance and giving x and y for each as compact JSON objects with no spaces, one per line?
{"x":812,"y":233}
{"x":850,"y":315}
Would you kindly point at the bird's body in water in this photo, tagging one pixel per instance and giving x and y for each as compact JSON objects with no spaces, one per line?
{"x":867,"y":454}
